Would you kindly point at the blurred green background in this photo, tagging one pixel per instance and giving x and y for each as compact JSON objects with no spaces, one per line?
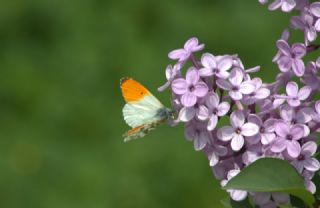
{"x":61,"y":107}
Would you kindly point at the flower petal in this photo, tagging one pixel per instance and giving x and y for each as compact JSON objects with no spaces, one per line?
{"x":297,"y":131}
{"x":237,"y":142}
{"x":285,"y":63}
{"x":278,"y":145}
{"x":299,"y":50}
{"x":267,"y":138}
{"x":287,"y":113}
{"x":214,"y":159}
{"x":203,"y":113}
{"x":205,"y":72}
{"x":247,"y":88}
{"x":304,"y":92}
{"x":284,"y":47}
{"x":225,"y":63}
{"x":200,"y":89}
{"x":235,"y":95}
{"x":188,"y":99}
{"x":237,"y":119}
{"x":282,"y":129}
{"x":249,"y":129}
{"x":317,"y":106}
{"x":309,"y":149}
{"x":292,"y":89}
{"x":192,"y":76}
{"x":224,"y":84}
{"x":208,"y":61}
{"x":212,"y":100}
{"x":212,"y":123}
{"x":293,"y":148}
{"x":288,"y":5}
{"x":223,"y":108}
{"x":236,"y":77}
{"x":186,"y":114}
{"x":312,"y":164}
{"x":177,"y":54}
{"x":201,"y":140}
{"x":225,"y":133}
{"x":238,"y":195}
{"x":262,"y":93}
{"x":253,"y":118}
{"x":293,"y":102}
{"x":315,"y":9}
{"x":179,"y":86}
{"x":298,"y":67}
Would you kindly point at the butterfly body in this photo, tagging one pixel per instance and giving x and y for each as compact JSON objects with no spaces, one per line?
{"x":143,"y":112}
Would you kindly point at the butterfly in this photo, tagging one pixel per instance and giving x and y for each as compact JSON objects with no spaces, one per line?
{"x":142,"y":111}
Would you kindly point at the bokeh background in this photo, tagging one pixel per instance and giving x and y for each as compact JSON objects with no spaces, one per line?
{"x":60,"y":104}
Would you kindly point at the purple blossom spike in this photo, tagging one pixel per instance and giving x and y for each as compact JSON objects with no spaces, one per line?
{"x":191,"y":46}
{"x":235,"y":85}
{"x":237,"y":131}
{"x":190,"y":88}
{"x":264,"y":121}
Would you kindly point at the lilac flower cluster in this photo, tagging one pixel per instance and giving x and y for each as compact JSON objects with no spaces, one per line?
{"x":235,"y":118}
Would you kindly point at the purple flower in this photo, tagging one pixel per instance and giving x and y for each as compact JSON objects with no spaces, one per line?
{"x":171,"y":74}
{"x":214,"y":152}
{"x":237,"y":195}
{"x":264,"y":199}
{"x":266,"y":129}
{"x":217,"y":66}
{"x":291,"y":57}
{"x":316,"y":115}
{"x":286,"y":5}
{"x":235,"y":85}
{"x":191,"y":46}
{"x":252,"y":153}
{"x":197,"y":133}
{"x":190,"y":88}
{"x":212,"y":110}
{"x":295,"y":96}
{"x":259,"y":92}
{"x":305,"y":159}
{"x":305,"y":22}
{"x":237,"y":131}
{"x":310,"y":186}
{"x":287,"y":138}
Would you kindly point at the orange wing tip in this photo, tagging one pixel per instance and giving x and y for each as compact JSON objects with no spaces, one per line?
{"x":132,"y":90}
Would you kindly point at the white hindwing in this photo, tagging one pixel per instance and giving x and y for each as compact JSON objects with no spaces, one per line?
{"x":141,"y":112}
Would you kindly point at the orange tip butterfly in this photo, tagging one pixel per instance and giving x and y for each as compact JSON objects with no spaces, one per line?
{"x":142,"y":111}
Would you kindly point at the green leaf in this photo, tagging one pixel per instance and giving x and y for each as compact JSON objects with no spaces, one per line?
{"x":271,"y":175}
